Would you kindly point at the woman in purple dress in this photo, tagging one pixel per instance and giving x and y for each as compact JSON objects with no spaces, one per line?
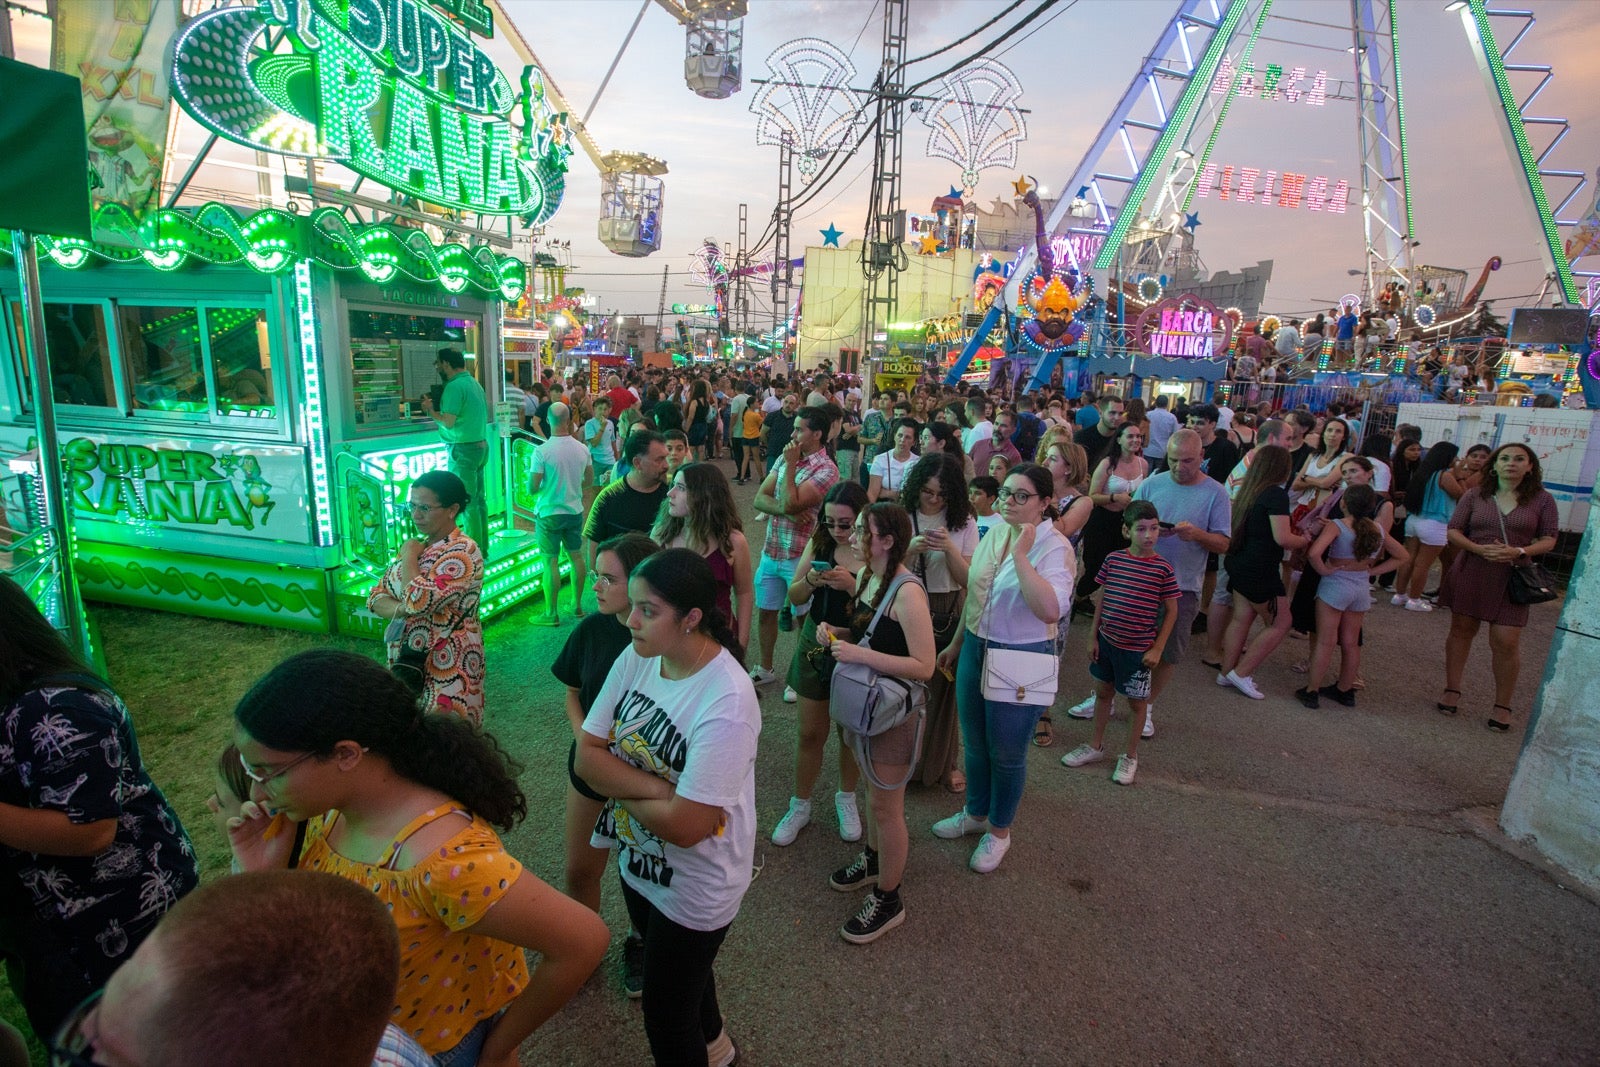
{"x":1507,"y":519}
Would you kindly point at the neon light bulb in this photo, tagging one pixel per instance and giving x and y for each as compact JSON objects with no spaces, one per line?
{"x":1317,"y":195}
{"x":1266,"y":188}
{"x":1291,"y":86}
{"x":1224,"y":189}
{"x":1269,"y":84}
{"x":1224,"y":78}
{"x":410,"y":160}
{"x":1247,"y":80}
{"x":1319,"y":90}
{"x":1337,"y":198}
{"x":1247,"y":185}
{"x":1208,"y":174}
{"x":1293,"y":189}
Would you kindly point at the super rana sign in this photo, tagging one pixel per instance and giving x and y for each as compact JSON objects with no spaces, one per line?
{"x":396,"y":90}
{"x":186,"y":488}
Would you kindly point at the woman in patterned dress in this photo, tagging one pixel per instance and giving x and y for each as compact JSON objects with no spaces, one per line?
{"x":430,"y":593}
{"x":1508,"y":519}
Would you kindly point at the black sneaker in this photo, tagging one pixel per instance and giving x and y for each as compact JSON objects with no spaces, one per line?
{"x":1308,"y":697}
{"x":633,"y":966}
{"x":861,"y":872}
{"x":877,"y":917}
{"x":1347,"y":697}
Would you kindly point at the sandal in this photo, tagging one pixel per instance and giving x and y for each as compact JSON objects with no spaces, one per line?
{"x":956,"y":782}
{"x":1449,"y":709}
{"x":1496,"y":724}
{"x":1044,"y":733}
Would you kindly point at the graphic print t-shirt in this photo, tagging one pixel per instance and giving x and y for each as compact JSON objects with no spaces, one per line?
{"x":699,"y":734}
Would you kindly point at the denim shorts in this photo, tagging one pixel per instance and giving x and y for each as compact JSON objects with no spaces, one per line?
{"x":1123,"y":669}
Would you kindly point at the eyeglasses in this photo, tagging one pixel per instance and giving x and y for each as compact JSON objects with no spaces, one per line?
{"x":1021,"y":496}
{"x":73,"y":1045}
{"x":421,"y":509}
{"x":605,"y":581}
{"x":262,"y":779}
{"x":937,"y":494}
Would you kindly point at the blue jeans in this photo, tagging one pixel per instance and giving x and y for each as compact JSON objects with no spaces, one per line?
{"x":996,"y":736}
{"x":465,"y":1053}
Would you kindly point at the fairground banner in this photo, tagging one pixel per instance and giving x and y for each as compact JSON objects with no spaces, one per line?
{"x":116,"y":49}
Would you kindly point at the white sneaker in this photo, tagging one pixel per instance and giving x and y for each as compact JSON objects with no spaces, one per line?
{"x":1127,"y":767}
{"x":789,"y":695}
{"x":1149,"y":730}
{"x":844,"y":805}
{"x":990,"y":851}
{"x":1222,"y":680}
{"x":1246,"y":685}
{"x":1084,"y":710}
{"x":1083,"y":755}
{"x":959,"y":825}
{"x":793,"y":821}
{"x":1398,"y":600}
{"x":762,"y":676}
{"x":1418,"y":605}
{"x":722,"y":1052}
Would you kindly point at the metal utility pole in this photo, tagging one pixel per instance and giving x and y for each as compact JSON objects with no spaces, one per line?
{"x":882,"y":257}
{"x":741,"y":267}
{"x":661,"y":307}
{"x":782,"y":270}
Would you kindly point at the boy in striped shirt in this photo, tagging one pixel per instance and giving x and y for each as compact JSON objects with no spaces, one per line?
{"x":1133,"y":618}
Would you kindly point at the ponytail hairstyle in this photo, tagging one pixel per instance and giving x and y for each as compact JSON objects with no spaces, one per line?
{"x":712,"y":517}
{"x":1270,"y":467}
{"x":312,"y":701}
{"x":683,"y":578}
{"x":1043,"y":483}
{"x":845,"y":494}
{"x":1360,"y":505}
{"x":887,"y":520}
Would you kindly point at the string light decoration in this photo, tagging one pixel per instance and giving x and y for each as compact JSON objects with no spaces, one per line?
{"x":977,"y":123}
{"x":807,"y":100}
{"x":1150,"y":289}
{"x":273,"y":241}
{"x":1424,"y":315}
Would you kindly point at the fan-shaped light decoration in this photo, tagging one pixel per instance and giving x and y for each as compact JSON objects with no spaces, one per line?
{"x":705,"y":263}
{"x":1424,"y":315}
{"x":977,"y":124}
{"x":1350,"y":301}
{"x":1150,"y":289}
{"x":808,"y":100}
{"x":1269,"y":326}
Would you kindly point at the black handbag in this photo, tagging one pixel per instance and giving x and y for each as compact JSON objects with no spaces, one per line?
{"x":1530,"y":582}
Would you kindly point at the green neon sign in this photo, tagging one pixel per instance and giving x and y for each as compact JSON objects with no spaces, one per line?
{"x":393,"y":89}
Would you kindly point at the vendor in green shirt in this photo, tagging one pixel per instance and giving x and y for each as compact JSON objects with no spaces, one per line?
{"x":463,"y":419}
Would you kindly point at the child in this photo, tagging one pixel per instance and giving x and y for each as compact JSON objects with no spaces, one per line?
{"x":677,"y":451}
{"x":981,"y":491}
{"x":1345,"y":553}
{"x":1137,"y":588}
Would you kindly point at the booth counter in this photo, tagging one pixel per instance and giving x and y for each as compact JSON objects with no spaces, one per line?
{"x":239,"y":437}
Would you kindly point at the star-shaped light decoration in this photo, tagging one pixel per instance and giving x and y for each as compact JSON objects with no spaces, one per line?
{"x":1191,"y":220}
{"x":929,"y":245}
{"x":1022,"y":185}
{"x":956,"y":194}
{"x":830,"y":236}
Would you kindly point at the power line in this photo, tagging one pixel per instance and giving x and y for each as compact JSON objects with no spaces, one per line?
{"x":970,"y":36}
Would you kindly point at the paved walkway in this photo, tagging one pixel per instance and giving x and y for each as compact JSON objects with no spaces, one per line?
{"x":1281,"y":886}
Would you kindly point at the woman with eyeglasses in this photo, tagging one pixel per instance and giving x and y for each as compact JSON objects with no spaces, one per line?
{"x":825,"y":577}
{"x":699,"y":514}
{"x":406,"y":803}
{"x":944,"y":537}
{"x":430,"y":594}
{"x":91,"y":853}
{"x":1019,"y":589}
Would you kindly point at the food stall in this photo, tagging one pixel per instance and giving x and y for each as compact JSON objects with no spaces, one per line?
{"x":238,"y":393}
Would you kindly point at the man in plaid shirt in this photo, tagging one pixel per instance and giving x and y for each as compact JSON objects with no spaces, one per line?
{"x":792,"y":494}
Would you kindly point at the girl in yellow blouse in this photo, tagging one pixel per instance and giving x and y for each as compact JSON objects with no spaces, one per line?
{"x":406,"y":803}
{"x":431,"y":593}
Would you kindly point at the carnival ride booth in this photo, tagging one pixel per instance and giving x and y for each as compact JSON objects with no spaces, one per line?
{"x":713,"y":51}
{"x":631,"y":199}
{"x":240,"y":434}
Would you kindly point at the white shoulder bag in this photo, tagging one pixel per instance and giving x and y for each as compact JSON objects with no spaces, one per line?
{"x":1015,"y":676}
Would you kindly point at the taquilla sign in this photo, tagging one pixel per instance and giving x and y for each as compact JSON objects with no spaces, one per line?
{"x":394,"y":89}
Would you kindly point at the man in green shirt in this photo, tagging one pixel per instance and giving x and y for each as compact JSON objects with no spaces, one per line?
{"x":463,"y":419}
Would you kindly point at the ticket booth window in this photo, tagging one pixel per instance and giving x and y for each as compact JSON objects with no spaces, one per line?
{"x":166,"y":358}
{"x":80,"y":354}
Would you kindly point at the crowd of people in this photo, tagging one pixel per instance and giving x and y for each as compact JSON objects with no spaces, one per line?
{"x":936,"y":539}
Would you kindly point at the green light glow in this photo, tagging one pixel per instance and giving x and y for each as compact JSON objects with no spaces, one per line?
{"x":271,"y":241}
{"x":311,"y":412}
{"x":1159,"y":157}
{"x":1227,"y":102}
{"x":1400,"y":119}
{"x":1519,"y":135}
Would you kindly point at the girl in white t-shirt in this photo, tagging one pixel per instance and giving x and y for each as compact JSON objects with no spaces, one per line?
{"x":889,"y":469}
{"x":671,"y":738}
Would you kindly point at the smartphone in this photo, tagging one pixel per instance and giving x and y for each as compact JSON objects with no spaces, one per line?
{"x":820,"y":565}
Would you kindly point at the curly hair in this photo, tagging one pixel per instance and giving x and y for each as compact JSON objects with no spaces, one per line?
{"x":952,"y":480}
{"x":712,"y":518}
{"x":312,"y":701}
